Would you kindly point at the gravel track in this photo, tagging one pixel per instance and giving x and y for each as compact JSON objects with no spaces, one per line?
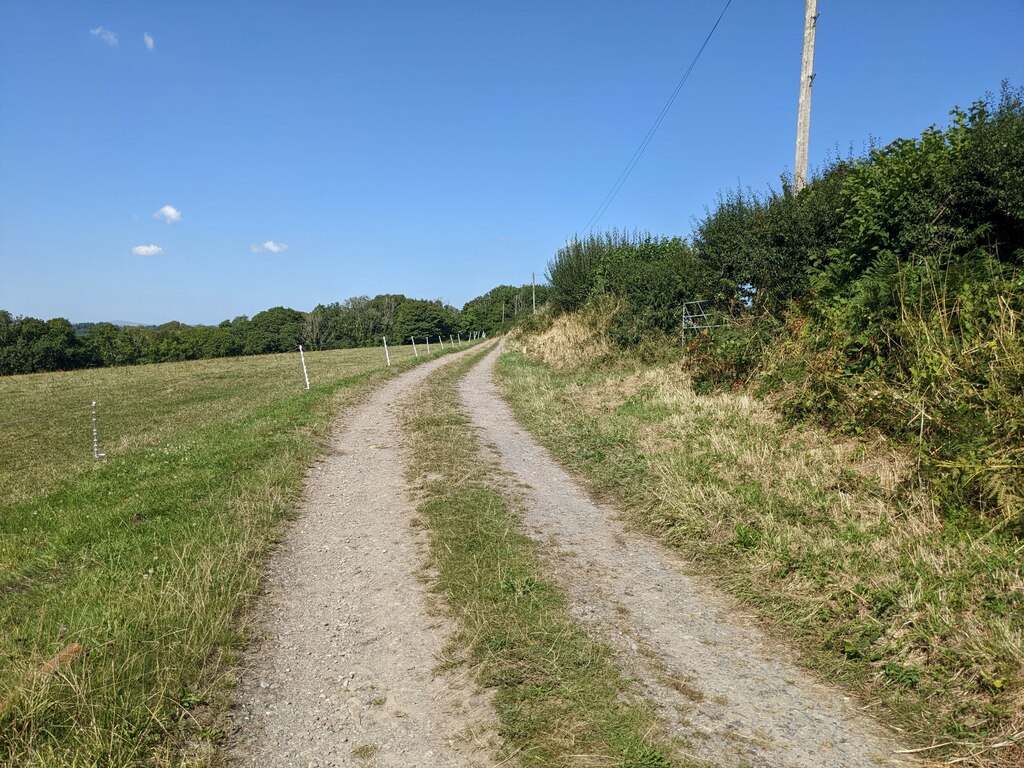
{"x":342,"y":668}
{"x":715,"y":679}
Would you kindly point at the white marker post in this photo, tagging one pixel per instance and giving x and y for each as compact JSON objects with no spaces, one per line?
{"x":427,"y":339}
{"x":302,"y":356}
{"x":96,"y":436}
{"x":387,"y":355}
{"x":460,"y":338}
{"x":439,"y":341}
{"x":414,"y":346}
{"x":451,"y":340}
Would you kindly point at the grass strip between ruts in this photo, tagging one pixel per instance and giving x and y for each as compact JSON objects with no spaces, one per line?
{"x":560,"y":698}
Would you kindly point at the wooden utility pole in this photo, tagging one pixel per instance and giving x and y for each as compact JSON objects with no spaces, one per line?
{"x":533,"y":283}
{"x":803,"y":120}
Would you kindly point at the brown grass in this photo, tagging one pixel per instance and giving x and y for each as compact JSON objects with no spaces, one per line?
{"x":569,"y":343}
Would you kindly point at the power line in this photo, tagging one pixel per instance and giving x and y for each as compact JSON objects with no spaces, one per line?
{"x":624,"y":176}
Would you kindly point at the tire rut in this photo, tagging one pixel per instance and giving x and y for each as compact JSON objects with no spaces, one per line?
{"x":718,"y":683}
{"x":341,"y":671}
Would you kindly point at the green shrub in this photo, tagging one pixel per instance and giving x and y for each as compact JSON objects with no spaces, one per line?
{"x":886,"y":296}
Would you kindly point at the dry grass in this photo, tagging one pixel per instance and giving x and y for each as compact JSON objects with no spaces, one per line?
{"x":570,"y":342}
{"x":832,"y":539}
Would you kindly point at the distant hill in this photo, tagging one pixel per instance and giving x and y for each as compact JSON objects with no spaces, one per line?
{"x":81,"y":328}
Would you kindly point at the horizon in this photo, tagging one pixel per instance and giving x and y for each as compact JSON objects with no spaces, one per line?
{"x":217,"y":161}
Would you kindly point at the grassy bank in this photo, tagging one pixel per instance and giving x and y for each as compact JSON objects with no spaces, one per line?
{"x":559,"y":696}
{"x":830,"y":540}
{"x":122,"y":580}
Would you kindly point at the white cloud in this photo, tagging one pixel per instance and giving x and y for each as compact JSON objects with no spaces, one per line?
{"x":104,"y":34}
{"x":147,"y":250}
{"x":148,"y":40}
{"x":269,"y":247}
{"x":168,"y":213}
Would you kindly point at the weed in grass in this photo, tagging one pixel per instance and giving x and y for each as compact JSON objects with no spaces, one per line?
{"x":365,"y":751}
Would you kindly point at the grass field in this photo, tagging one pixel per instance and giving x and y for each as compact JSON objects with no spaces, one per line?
{"x":831,"y":540}
{"x":122,"y":581}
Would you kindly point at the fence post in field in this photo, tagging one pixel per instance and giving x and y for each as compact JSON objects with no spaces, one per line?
{"x":387,"y":355}
{"x":427,"y":339}
{"x":302,"y":357}
{"x":451,"y":341}
{"x":414,"y":346}
{"x":440,"y":341}
{"x":459,"y":335}
{"x":95,"y":436}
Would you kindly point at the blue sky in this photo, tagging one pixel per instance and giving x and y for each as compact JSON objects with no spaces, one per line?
{"x":431,"y":149}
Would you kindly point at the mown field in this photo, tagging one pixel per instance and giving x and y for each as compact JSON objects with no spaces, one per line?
{"x":122,"y":581}
{"x":832,"y":540}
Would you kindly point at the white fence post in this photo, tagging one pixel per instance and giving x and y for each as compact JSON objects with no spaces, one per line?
{"x":440,"y":341}
{"x":414,"y":346}
{"x":302,"y":356}
{"x":427,"y":339}
{"x":95,"y":436}
{"x":387,"y":355}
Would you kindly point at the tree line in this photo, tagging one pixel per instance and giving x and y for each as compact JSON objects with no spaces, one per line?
{"x":31,"y":345}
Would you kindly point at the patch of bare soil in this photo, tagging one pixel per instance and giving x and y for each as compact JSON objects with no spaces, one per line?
{"x":725,"y":690}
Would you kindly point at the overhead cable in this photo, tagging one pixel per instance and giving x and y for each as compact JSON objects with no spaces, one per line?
{"x":624,"y":176}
